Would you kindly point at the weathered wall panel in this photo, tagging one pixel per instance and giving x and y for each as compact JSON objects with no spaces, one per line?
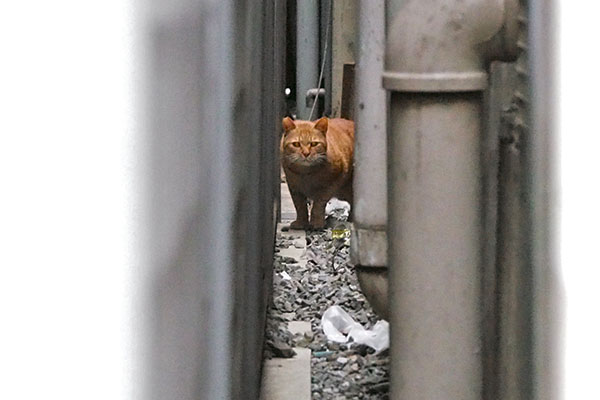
{"x":214,"y":98}
{"x":343,"y":48}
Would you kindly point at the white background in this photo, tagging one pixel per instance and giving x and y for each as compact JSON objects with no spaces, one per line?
{"x":69,"y":205}
{"x":580,"y":199}
{"x":67,"y":152}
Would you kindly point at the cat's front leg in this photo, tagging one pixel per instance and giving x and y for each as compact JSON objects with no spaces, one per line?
{"x":301,"y":221}
{"x":317,"y":214}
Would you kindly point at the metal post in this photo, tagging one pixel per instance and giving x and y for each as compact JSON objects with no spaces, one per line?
{"x":307,"y":53}
{"x":369,"y":239}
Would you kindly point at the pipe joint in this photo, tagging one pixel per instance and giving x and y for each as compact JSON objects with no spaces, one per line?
{"x":368,"y":252}
{"x":368,"y":246}
{"x":446,"y":46}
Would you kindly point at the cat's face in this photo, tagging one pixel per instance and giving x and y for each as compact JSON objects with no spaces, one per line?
{"x":304,"y":142}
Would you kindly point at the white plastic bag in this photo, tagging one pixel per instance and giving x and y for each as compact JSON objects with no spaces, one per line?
{"x":339,"y":209}
{"x":339,"y":327}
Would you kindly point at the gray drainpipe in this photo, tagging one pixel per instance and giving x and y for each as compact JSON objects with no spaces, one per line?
{"x":437,"y":56}
{"x":307,"y":54}
{"x":369,"y":240}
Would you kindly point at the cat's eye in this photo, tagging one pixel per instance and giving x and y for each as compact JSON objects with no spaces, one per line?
{"x":314,"y":144}
{"x":296,"y":144}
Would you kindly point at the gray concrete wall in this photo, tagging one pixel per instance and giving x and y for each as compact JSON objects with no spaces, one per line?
{"x":214,"y":98}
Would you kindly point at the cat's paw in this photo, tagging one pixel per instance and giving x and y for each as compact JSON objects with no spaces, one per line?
{"x":298,"y":225}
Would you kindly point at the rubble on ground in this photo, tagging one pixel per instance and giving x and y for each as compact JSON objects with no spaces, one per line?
{"x":302,"y":292}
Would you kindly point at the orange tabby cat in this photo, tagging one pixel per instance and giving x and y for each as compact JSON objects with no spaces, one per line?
{"x":317,"y":161}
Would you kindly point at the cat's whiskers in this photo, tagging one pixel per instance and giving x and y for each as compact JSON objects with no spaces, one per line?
{"x":310,"y":161}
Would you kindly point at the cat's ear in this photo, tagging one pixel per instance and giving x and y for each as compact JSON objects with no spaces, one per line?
{"x":322,"y":124}
{"x":288,"y":124}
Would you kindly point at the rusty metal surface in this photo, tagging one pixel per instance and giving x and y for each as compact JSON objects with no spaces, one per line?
{"x":307,"y":53}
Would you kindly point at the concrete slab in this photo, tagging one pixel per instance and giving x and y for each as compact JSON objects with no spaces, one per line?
{"x":287,"y":378}
{"x":301,"y":327}
{"x":298,"y":254}
{"x":288,"y":211}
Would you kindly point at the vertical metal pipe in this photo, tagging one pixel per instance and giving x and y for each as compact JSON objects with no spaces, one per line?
{"x":369,"y":239}
{"x":435,"y":245}
{"x":325,"y":40}
{"x":370,"y":210}
{"x":307,"y":53}
{"x":436,"y":62}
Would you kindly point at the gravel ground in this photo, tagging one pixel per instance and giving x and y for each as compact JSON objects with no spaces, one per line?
{"x":339,"y":371}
